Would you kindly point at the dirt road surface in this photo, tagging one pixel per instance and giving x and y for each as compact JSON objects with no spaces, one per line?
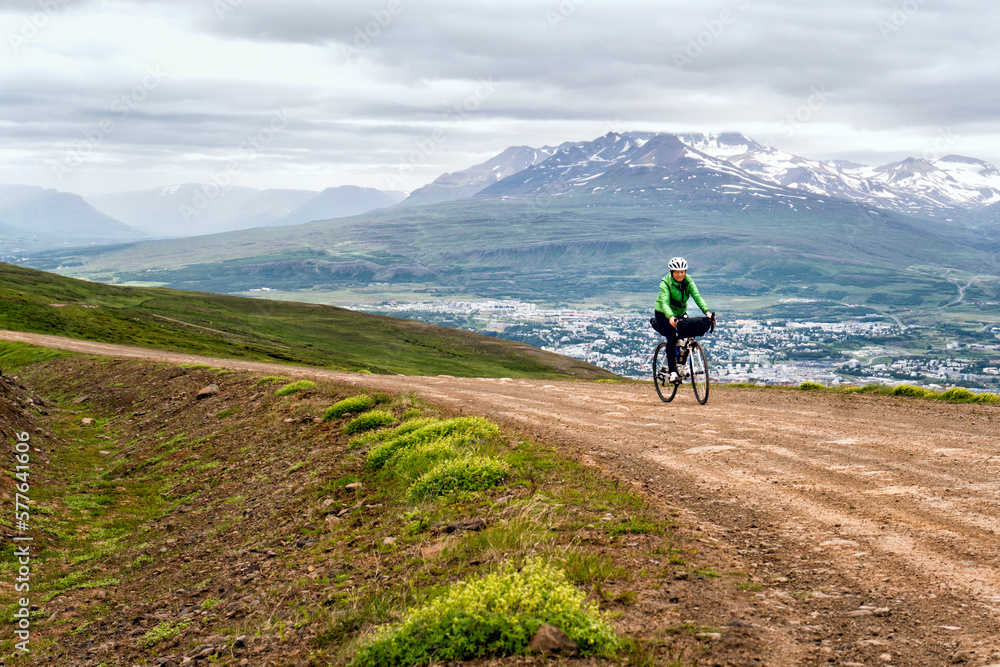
{"x":873,"y":521}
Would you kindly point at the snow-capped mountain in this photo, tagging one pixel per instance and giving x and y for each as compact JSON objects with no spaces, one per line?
{"x":950,"y":182}
{"x":465,"y":183}
{"x":658,"y":167}
{"x":952,"y":187}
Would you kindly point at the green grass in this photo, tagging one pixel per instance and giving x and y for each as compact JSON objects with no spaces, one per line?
{"x":272,"y":379}
{"x":271,"y":331}
{"x":468,"y":473}
{"x":957,"y":394}
{"x":18,"y":355}
{"x":585,"y":567}
{"x":369,"y":420}
{"x":952,"y":395}
{"x":911,"y":390}
{"x":468,"y":428}
{"x":165,"y":630}
{"x":494,"y":615}
{"x":295,"y":387}
{"x":348,"y":405}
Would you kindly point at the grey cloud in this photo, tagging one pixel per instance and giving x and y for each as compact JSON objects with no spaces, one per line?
{"x":559,"y":64}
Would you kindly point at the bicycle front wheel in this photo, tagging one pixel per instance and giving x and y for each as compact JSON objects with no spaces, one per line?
{"x":698,"y":363}
{"x":664,"y":387}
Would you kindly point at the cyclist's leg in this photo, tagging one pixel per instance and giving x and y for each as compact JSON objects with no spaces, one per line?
{"x":670,"y":334}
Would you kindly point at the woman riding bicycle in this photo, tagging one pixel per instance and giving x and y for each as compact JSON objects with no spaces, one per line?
{"x":671,"y":309}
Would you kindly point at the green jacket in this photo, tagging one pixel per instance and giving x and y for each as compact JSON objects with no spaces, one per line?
{"x":674,"y":296}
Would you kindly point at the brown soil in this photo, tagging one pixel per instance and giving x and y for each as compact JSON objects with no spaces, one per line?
{"x":870,"y":523}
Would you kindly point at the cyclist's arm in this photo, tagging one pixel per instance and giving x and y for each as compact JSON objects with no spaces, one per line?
{"x":697,"y":298}
{"x":663,"y":301}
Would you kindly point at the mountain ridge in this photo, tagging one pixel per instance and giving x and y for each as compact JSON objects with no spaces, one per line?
{"x":27,"y":213}
{"x":596,"y":218}
{"x":951,"y":186}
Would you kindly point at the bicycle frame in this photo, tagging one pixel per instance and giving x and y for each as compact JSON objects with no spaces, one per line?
{"x":693,"y":368}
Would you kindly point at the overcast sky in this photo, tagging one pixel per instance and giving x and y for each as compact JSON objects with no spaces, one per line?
{"x":113,"y":95}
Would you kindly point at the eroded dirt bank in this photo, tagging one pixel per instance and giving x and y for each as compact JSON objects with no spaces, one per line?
{"x":872,"y":520}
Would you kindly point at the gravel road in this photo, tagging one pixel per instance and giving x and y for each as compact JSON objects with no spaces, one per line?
{"x":885,"y":510}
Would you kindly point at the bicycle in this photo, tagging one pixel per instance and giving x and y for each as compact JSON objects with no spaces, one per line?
{"x":692,"y":364}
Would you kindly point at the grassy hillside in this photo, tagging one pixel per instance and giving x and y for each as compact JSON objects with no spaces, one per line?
{"x":234,"y":327}
{"x":568,"y":250}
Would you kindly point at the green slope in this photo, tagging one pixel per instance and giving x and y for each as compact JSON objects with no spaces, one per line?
{"x":275,"y":331}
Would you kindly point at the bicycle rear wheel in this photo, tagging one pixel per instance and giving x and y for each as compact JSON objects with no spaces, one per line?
{"x":664,"y":388}
{"x":698,"y":363}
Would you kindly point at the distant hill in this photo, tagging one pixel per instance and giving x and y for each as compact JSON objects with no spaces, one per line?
{"x":195,"y":209}
{"x":266,"y":208}
{"x":178,"y":210}
{"x":257,"y":329}
{"x":339,"y":202}
{"x":33,"y":218}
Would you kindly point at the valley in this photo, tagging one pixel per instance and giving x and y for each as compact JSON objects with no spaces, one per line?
{"x":847,"y":345}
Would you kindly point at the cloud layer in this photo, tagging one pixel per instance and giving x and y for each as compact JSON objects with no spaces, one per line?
{"x":127,"y":94}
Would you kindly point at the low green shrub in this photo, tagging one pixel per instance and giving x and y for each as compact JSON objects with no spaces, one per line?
{"x":911,"y":390}
{"x":469,"y":473}
{"x":958,"y":394}
{"x":493,"y":616}
{"x":388,"y":434}
{"x":473,"y":428}
{"x":295,"y":387}
{"x":810,"y":386}
{"x":871,"y":388}
{"x":412,"y":462}
{"x":163,"y":631}
{"x":986,"y":398}
{"x":412,"y":413}
{"x":272,"y":378}
{"x":367,"y":421}
{"x":348,"y":405}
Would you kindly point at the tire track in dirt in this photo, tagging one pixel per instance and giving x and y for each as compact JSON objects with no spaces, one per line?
{"x":885,"y":503}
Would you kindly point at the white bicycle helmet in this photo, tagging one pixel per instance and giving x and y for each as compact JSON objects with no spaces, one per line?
{"x":677,"y":264}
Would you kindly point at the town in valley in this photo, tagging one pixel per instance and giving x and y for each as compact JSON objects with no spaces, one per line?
{"x":865,"y":348}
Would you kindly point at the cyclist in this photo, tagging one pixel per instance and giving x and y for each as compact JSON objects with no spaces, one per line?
{"x":670,"y":318}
